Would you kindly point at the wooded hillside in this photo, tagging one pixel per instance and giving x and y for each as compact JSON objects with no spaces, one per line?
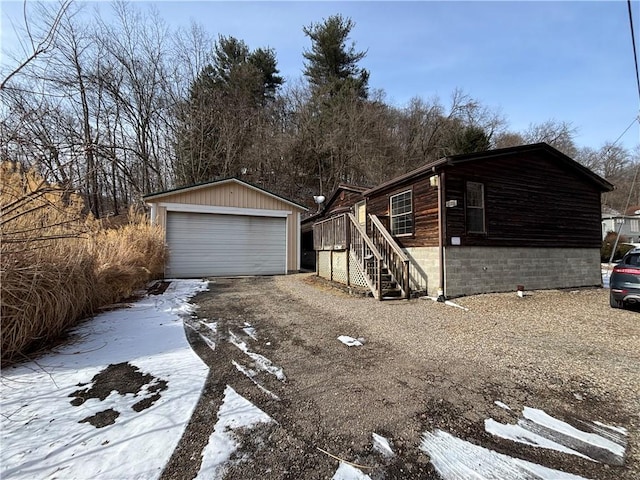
{"x":114,"y":110}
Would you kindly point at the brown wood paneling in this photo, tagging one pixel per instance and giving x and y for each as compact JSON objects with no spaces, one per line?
{"x":425,"y":211}
{"x":344,"y":199}
{"x":529,"y":201}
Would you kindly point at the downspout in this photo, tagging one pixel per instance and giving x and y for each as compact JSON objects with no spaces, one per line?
{"x":441,"y":236}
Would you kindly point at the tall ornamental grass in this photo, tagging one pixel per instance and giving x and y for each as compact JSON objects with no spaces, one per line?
{"x":58,"y":265}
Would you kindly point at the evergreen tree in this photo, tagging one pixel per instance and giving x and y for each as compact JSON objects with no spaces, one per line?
{"x":225,"y":103}
{"x":332,"y":66}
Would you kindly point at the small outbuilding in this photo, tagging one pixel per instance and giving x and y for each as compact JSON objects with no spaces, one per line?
{"x":227,"y":228}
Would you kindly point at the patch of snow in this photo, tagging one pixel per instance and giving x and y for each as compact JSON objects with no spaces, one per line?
{"x":350,"y":341}
{"x":456,"y":459}
{"x":502,"y":405}
{"x":250,"y":331}
{"x":539,"y":429}
{"x":349,"y":472}
{"x":235,"y":412}
{"x":40,"y":433}
{"x":210,"y":343}
{"x":542,"y":418}
{"x":518,"y":433}
{"x":262,"y":362}
{"x":620,"y":430}
{"x":382,"y":446}
{"x":250,"y":374}
{"x":213,"y":326}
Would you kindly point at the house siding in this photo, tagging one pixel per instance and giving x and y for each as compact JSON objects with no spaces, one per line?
{"x":345,"y":199}
{"x":473,"y":270}
{"x":530,"y":200}
{"x":425,"y":211}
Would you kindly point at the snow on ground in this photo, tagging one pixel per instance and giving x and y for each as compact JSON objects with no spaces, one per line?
{"x":235,"y":412}
{"x":539,"y":429}
{"x":250,"y":331}
{"x":41,"y":434}
{"x":502,"y":405}
{"x":382,"y":446}
{"x":347,"y":472}
{"x":260,"y":361}
{"x":251,"y":374}
{"x":457,"y":459}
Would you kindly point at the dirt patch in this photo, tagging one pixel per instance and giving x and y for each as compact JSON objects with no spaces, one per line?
{"x":102,"y":419}
{"x":122,"y":378}
{"x":423,"y":366}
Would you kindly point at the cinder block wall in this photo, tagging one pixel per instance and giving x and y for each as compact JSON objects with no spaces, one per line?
{"x":471,"y":270}
{"x":423,"y":271}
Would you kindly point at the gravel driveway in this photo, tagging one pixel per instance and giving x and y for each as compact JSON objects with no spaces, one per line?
{"x":424,"y":365}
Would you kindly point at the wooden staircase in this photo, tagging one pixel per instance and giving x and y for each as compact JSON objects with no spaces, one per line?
{"x":382,"y":262}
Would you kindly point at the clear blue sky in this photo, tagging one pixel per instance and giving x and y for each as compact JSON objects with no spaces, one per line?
{"x":533,"y":61}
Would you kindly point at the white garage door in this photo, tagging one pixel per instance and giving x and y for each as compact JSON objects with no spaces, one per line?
{"x":204,"y":244}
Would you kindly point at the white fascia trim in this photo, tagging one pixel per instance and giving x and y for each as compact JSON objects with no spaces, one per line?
{"x":253,"y":212}
{"x":286,"y":247}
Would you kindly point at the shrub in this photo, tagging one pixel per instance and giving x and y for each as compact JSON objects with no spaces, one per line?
{"x":58,"y":265}
{"x":607,"y":247}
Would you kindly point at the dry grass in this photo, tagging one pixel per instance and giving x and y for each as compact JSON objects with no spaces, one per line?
{"x":58,"y":265}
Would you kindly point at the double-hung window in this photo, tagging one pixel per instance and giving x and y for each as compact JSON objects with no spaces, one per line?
{"x":475,"y":207}
{"x":401,"y":209}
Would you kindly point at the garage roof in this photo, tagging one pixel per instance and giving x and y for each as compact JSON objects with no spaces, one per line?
{"x":159,"y":195}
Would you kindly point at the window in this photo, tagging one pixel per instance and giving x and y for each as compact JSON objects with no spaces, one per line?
{"x":634,"y":225}
{"x":475,"y":207}
{"x":361,"y":212}
{"x":401,"y":213}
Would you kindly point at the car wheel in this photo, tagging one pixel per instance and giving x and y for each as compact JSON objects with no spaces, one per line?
{"x":613,"y":302}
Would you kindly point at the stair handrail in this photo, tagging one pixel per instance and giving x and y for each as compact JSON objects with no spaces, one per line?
{"x":396,"y":256}
{"x":374,"y":282}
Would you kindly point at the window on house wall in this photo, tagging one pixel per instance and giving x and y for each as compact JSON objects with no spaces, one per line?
{"x":634,"y":225}
{"x":361,"y":212}
{"x":401,"y":209}
{"x":475,"y":207}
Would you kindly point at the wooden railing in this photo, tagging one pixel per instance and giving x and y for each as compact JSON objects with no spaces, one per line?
{"x":367,"y":256}
{"x":372,"y":255}
{"x":331,"y":234}
{"x":393,"y":257}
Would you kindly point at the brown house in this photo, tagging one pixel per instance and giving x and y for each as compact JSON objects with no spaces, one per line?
{"x":467,"y":224}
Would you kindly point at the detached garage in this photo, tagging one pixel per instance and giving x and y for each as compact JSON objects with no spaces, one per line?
{"x":227,"y":228}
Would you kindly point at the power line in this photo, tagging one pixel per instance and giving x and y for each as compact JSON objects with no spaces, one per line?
{"x":633,"y":43}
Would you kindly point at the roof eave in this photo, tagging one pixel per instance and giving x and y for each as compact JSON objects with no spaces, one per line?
{"x":157,"y":195}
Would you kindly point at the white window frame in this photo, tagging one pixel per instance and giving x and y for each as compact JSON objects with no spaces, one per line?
{"x":475,"y":207}
{"x":403,"y":214}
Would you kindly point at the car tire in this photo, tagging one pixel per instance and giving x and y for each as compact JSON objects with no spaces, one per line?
{"x":613,"y":302}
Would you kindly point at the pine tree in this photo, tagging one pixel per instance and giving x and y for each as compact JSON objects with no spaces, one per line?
{"x":332,"y":66}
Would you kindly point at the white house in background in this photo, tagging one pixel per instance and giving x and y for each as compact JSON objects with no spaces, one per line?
{"x":626,"y":225}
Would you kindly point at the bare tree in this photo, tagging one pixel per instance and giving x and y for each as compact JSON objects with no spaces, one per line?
{"x":40,"y":36}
